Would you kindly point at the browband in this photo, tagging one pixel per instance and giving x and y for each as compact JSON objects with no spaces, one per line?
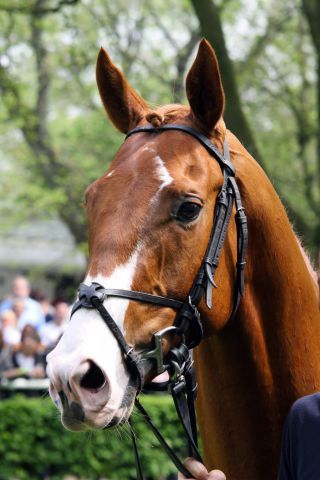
{"x":222,"y":160}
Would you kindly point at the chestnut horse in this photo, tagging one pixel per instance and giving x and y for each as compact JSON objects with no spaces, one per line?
{"x":249,"y":370}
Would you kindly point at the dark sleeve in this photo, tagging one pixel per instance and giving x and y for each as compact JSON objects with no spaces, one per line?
{"x":300,"y":453}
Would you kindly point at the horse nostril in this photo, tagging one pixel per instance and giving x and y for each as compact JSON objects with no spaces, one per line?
{"x":94,"y":378}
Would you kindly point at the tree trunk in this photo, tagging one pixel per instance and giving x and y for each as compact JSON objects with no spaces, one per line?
{"x":211,"y":27}
{"x":311,"y":11}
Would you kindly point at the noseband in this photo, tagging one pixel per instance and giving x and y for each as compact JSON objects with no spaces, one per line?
{"x":187,"y":324}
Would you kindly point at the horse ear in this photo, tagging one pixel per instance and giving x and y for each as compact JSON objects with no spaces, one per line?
{"x":122,"y":103}
{"x":204,"y":87}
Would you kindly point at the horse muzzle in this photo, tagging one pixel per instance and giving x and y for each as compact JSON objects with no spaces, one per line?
{"x":86,"y":399}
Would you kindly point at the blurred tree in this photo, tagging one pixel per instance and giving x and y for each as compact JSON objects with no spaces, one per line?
{"x":55,"y":139}
{"x":311,"y":11}
{"x":52,"y":100}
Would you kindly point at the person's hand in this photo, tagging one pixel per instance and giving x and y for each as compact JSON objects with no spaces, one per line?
{"x":200,"y":472}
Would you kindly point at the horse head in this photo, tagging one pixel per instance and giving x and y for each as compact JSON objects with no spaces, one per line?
{"x":150,"y":217}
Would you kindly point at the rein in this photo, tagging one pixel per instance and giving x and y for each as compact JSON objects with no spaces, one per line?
{"x":179,"y":363}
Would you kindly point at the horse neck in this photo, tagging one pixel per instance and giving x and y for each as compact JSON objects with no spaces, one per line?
{"x":282,"y":290}
{"x":250,"y":372}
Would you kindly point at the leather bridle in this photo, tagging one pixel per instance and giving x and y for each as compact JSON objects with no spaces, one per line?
{"x":178,"y":362}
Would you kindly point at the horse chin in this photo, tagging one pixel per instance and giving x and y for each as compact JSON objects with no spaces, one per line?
{"x":76,"y":419}
{"x":101,"y":422}
{"x":121,"y":418}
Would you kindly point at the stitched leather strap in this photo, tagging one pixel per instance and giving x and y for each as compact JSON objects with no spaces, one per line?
{"x":223,"y":162}
{"x":242,"y":245}
{"x":219,"y":232}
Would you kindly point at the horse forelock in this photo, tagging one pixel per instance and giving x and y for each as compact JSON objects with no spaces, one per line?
{"x":175,"y":113}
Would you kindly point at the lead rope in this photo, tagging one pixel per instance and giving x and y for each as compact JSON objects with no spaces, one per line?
{"x":183,"y":390}
{"x":171,"y":454}
{"x":181,"y":355}
{"x":136,"y":452}
{"x":184,"y":403}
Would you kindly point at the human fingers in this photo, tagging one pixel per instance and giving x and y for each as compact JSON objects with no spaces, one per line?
{"x":216,"y":475}
{"x":197,"y":469}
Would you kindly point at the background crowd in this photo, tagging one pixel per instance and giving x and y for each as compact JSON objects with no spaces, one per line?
{"x":30,"y":326}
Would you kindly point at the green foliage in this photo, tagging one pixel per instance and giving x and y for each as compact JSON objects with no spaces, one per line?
{"x":54,"y":136}
{"x":33,"y":443}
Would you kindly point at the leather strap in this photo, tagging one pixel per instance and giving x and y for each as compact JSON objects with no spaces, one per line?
{"x":204,"y":280}
{"x":178,"y":392}
{"x":212,"y":149}
{"x":219,"y":232}
{"x":183,"y":388}
{"x":86,"y":292}
{"x":136,"y":452}
{"x":242,"y":245}
{"x":132,"y":360}
{"x":171,"y":454}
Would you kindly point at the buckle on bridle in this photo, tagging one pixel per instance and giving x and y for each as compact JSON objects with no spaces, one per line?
{"x":180,"y":362}
{"x":157,"y":353}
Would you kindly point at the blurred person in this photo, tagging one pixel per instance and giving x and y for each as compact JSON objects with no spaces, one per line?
{"x":28,"y":330}
{"x":18,"y":307}
{"x":46,"y":306}
{"x":27,"y":361}
{"x":51,"y":332}
{"x":31,"y":313}
{"x":10,"y":333}
{"x":5,"y":354}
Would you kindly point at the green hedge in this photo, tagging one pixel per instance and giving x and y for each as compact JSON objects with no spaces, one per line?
{"x":34,"y":445}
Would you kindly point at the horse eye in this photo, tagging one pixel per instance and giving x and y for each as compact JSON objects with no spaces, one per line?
{"x":188,"y":211}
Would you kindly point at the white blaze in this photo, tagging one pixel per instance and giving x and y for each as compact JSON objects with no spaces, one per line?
{"x":121,"y":278}
{"x":163,"y":173}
